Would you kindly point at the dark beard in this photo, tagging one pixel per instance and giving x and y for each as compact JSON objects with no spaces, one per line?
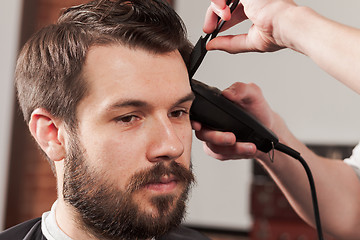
{"x":109,"y":213}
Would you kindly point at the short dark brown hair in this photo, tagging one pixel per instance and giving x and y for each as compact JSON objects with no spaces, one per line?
{"x":48,"y":71}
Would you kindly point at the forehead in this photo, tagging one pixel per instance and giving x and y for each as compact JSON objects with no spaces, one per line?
{"x":117,"y":71}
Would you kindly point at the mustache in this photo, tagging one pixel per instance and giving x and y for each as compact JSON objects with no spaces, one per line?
{"x":154,"y":174}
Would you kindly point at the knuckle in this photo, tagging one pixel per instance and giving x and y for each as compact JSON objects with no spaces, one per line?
{"x":254,"y":87}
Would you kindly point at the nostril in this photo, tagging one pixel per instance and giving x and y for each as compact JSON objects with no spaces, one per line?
{"x":166,"y":149}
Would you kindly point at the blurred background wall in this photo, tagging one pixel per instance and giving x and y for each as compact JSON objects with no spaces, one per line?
{"x":9,"y":25}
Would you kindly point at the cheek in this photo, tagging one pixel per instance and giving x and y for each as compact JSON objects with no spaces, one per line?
{"x":186,"y":137}
{"x":115,"y":158}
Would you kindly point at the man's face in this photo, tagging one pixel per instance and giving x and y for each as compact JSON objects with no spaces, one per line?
{"x":133,"y":143}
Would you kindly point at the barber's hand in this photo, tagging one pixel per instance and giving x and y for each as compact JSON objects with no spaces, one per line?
{"x":263,"y":36}
{"x":223,"y":145}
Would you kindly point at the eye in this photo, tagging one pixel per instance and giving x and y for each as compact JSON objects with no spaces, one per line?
{"x":127,"y":119}
{"x":179,"y":113}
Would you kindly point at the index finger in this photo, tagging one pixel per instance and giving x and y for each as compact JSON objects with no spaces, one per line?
{"x":221,"y":4}
{"x":215,"y":137}
{"x":217,"y":8}
{"x":222,"y":10}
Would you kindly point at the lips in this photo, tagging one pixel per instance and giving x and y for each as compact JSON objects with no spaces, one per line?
{"x":161,"y":178}
{"x":166,"y":183}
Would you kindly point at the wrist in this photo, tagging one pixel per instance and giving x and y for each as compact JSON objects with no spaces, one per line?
{"x":289,"y":26}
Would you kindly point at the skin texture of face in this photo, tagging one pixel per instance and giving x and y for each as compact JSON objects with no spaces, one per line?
{"x":133,"y":141}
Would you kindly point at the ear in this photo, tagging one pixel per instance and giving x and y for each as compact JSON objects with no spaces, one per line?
{"x":48,"y":133}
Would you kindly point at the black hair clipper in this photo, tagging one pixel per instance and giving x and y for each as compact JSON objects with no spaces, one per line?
{"x":215,"y":111}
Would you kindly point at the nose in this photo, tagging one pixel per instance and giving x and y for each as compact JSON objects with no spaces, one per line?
{"x":164,"y":143}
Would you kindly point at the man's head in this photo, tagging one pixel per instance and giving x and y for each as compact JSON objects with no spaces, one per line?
{"x":106,"y":94}
{"x":52,"y":60}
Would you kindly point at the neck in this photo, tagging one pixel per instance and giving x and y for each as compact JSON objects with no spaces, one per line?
{"x":67,"y":220}
{"x":65,"y":215}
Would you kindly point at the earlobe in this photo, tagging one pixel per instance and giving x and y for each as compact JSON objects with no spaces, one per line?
{"x":46,"y":131}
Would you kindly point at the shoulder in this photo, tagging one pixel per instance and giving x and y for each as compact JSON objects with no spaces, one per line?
{"x":183,"y":233}
{"x":19,"y":231}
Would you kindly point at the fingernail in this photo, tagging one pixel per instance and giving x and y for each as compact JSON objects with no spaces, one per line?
{"x":230,"y":89}
{"x":250,"y":148}
{"x":229,"y":139}
{"x":218,"y":10}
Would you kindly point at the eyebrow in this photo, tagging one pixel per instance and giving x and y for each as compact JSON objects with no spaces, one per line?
{"x":139,"y":103}
{"x":187,"y":98}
